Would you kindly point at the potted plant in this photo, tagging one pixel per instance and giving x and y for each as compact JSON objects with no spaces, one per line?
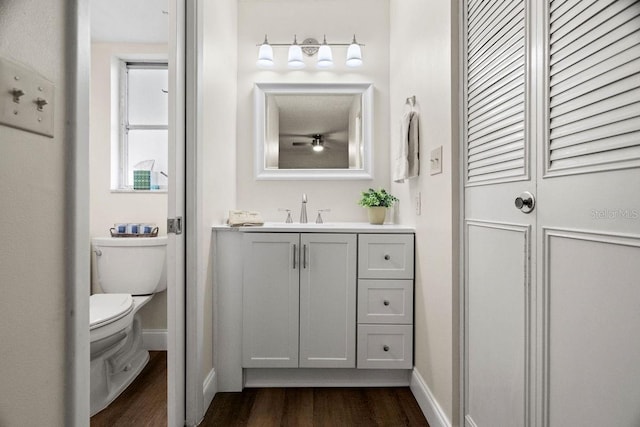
{"x":377,"y":202}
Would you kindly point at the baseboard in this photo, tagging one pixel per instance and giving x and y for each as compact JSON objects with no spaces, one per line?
{"x":318,"y":377}
{"x":429,"y":405}
{"x":154,"y":339}
{"x":209,"y":389}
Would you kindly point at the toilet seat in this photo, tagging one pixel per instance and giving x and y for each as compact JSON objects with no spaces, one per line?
{"x":108,"y":308}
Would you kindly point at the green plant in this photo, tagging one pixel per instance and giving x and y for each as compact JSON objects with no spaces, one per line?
{"x":377,"y":198}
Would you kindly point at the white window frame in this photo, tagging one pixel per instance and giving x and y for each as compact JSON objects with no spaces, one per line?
{"x":125,"y":126}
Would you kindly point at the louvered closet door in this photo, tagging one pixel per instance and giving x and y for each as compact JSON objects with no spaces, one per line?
{"x":552,"y":314}
{"x":589,"y":214}
{"x":498,"y":237}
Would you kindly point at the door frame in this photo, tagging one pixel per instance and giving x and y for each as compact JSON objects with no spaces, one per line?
{"x":78,"y":266}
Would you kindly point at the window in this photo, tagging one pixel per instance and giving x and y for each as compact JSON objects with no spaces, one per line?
{"x":144,"y":114}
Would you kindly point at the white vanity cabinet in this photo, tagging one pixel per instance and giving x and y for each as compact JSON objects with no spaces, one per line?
{"x":293,"y":302}
{"x":299,"y":300}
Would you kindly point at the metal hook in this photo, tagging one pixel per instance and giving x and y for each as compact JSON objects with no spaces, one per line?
{"x":411,"y":101}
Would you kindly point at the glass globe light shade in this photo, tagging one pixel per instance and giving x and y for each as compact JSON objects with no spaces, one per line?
{"x":295,"y":57}
{"x":265,"y":56}
{"x":354,"y":55}
{"x":325,"y":57}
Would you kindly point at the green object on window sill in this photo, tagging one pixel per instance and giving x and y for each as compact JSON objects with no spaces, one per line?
{"x":141,"y":180}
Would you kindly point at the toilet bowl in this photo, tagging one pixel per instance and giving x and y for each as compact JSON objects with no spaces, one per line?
{"x":130,"y":271}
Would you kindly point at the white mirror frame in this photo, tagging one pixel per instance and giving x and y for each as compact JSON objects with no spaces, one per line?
{"x":261,"y":90}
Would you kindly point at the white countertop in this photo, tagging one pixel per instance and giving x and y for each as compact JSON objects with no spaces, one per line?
{"x":329,"y":227}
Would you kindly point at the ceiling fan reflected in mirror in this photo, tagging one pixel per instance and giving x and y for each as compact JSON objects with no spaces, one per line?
{"x":317,"y":142}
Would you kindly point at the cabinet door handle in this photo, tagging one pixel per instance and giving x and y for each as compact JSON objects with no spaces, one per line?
{"x":304,"y":256}
{"x":385,"y":348}
{"x":294,"y":256}
{"x":385,"y":302}
{"x":387,"y":257}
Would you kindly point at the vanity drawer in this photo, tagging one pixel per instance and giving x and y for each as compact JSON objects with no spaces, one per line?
{"x":385,"y":346}
{"x":385,"y":256}
{"x":385,"y":301}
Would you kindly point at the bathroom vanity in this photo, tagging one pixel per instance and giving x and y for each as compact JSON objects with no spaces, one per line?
{"x":313,"y":305}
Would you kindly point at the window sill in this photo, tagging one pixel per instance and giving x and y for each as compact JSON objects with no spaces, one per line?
{"x":131,"y":190}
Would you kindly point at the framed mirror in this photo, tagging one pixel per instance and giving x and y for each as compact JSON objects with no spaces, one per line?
{"x":313,"y":131}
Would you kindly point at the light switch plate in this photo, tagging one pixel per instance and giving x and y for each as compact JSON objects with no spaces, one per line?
{"x":26,"y":99}
{"x":436,"y":161}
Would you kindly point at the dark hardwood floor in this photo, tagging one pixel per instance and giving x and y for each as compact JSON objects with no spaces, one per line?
{"x":326,"y":407}
{"x":144,"y":403}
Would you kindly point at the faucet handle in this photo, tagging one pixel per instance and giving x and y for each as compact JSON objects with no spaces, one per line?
{"x":319,"y":217}
{"x":289,"y":220}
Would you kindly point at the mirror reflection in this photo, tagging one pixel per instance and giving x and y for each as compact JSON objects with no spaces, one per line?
{"x":314,"y":131}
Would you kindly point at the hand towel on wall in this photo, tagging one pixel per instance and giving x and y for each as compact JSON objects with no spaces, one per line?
{"x":407,"y":162}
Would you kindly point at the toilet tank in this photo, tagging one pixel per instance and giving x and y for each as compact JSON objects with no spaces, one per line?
{"x":131,"y":265}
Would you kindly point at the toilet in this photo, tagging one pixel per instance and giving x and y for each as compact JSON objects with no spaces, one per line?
{"x":130,"y":271}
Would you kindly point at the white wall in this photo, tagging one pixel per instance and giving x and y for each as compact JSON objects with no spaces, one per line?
{"x":217,"y":159}
{"x":339,"y":20}
{"x":33,"y":251}
{"x":107,"y":207}
{"x":423,"y":57}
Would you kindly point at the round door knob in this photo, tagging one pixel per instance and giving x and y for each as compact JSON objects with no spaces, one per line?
{"x":387,"y":257}
{"x":386,"y":302}
{"x":385,"y":348}
{"x":525,"y":202}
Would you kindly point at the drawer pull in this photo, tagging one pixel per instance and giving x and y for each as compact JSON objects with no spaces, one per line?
{"x":385,"y":348}
{"x":387,"y":257}
{"x":385,"y":302}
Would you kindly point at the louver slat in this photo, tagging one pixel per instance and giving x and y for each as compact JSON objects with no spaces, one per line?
{"x":507,"y":140}
{"x":596,"y":28}
{"x":597,"y":146}
{"x":559,"y":8}
{"x":583,"y":108}
{"x":598,"y":52}
{"x":499,"y":135}
{"x":512,"y":90}
{"x":495,"y":107}
{"x":624,"y":115}
{"x":502,"y":149}
{"x":594,"y":88}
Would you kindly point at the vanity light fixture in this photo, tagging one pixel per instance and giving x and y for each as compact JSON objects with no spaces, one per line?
{"x":310,"y":47}
{"x":295,"y":55}
{"x":265,"y":55}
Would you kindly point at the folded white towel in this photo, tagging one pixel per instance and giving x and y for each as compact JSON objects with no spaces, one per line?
{"x":244,"y":218}
{"x":407,"y":158}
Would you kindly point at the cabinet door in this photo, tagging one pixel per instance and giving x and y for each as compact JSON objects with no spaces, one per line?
{"x":270,"y":300}
{"x":328,"y":301}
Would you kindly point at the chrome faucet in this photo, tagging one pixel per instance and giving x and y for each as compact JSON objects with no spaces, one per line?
{"x":303,"y":210}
